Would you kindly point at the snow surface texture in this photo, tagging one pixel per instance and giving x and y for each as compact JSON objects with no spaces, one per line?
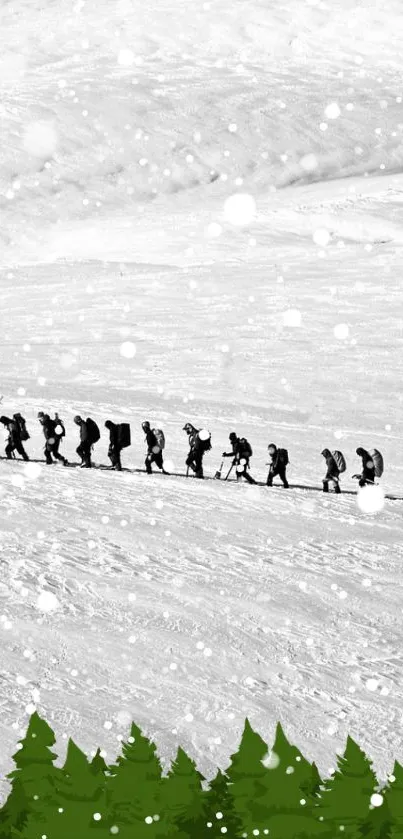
{"x":186,"y":606}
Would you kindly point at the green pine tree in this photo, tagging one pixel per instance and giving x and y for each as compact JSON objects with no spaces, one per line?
{"x":247,"y":774}
{"x":313,"y":783}
{"x":220,"y":811}
{"x":78,"y":794}
{"x":287,"y":807}
{"x":13,"y":814}
{"x":33,"y":781}
{"x":182,"y":803}
{"x":393,"y":798}
{"x":346,"y":797}
{"x":377,"y":825}
{"x":134,"y":788}
{"x":98,"y":764}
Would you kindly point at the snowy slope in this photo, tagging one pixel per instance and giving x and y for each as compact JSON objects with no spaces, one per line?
{"x":124,"y":131}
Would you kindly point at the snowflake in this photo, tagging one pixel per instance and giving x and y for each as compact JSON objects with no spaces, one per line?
{"x":40,"y":139}
{"x":128,"y":349}
{"x":240,"y":209}
{"x":371,"y":499}
{"x":47,"y":602}
{"x":321,"y":236}
{"x":332,"y":111}
{"x":341,"y":331}
{"x":271,"y":760}
{"x":125,"y":58}
{"x":292,"y":317}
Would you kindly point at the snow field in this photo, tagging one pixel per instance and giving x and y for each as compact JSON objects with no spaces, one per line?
{"x":166,"y":599}
{"x":132,"y":289}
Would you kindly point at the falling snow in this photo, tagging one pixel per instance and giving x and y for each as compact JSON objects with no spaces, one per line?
{"x":240,"y":209}
{"x":200,"y":224}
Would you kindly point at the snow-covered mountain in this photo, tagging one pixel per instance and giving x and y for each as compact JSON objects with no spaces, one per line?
{"x":220,"y":189}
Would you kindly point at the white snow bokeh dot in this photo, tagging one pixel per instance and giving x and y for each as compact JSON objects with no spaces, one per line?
{"x":213,"y":230}
{"x":292,"y":318}
{"x":376,"y":800}
{"x":32,"y":471}
{"x":321,"y":236}
{"x":40,"y":139}
{"x":332,"y":111}
{"x":125,"y":57}
{"x":128,"y":349}
{"x":47,"y":602}
{"x":240,"y":209}
{"x":341,"y":331}
{"x":271,"y":760}
{"x":371,"y":499}
{"x":309,"y":162}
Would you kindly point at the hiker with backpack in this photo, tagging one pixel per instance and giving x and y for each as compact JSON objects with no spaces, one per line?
{"x":119,"y":438}
{"x":278,"y":465}
{"x":54,"y":432}
{"x":89,"y":434}
{"x":372,"y":466}
{"x":199,"y":444}
{"x":155,"y":440}
{"x":241,"y":454}
{"x":16,"y":434}
{"x":335,"y":464}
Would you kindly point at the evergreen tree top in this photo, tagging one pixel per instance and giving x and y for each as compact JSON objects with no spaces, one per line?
{"x":248,"y":759}
{"x":76,"y":761}
{"x":98,"y":764}
{"x":184,"y":766}
{"x":35,"y":746}
{"x":354,"y":762}
{"x":139,"y":749}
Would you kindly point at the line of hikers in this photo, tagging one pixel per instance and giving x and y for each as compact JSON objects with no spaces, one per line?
{"x":199,"y":443}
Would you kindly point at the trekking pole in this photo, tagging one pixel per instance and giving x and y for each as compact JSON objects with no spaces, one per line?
{"x":218,"y":473}
{"x":230,"y":470}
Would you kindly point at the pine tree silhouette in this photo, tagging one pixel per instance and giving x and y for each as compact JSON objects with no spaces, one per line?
{"x":286,"y":807}
{"x":393,"y":798}
{"x":220,"y":811}
{"x":98,"y":764}
{"x":183,"y":800}
{"x":378,"y":824}
{"x":346,"y":798}
{"x":312,"y":785}
{"x":247,"y":774}
{"x":33,"y":781}
{"x":78,"y":794}
{"x":14,"y":812}
{"x":134,"y":788}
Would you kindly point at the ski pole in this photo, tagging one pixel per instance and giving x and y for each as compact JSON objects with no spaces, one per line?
{"x":230,"y":470}
{"x":218,"y":472}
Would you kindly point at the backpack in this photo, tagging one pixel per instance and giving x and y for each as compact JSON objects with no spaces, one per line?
{"x":93,"y":431}
{"x":204,"y":437}
{"x":22,"y":428}
{"x":282,"y":455}
{"x":246,"y":448}
{"x":160,"y":437}
{"x":123,"y":435}
{"x":377,"y":461}
{"x":340,"y":460}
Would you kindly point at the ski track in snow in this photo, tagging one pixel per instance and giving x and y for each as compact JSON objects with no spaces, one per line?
{"x":181,"y":605}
